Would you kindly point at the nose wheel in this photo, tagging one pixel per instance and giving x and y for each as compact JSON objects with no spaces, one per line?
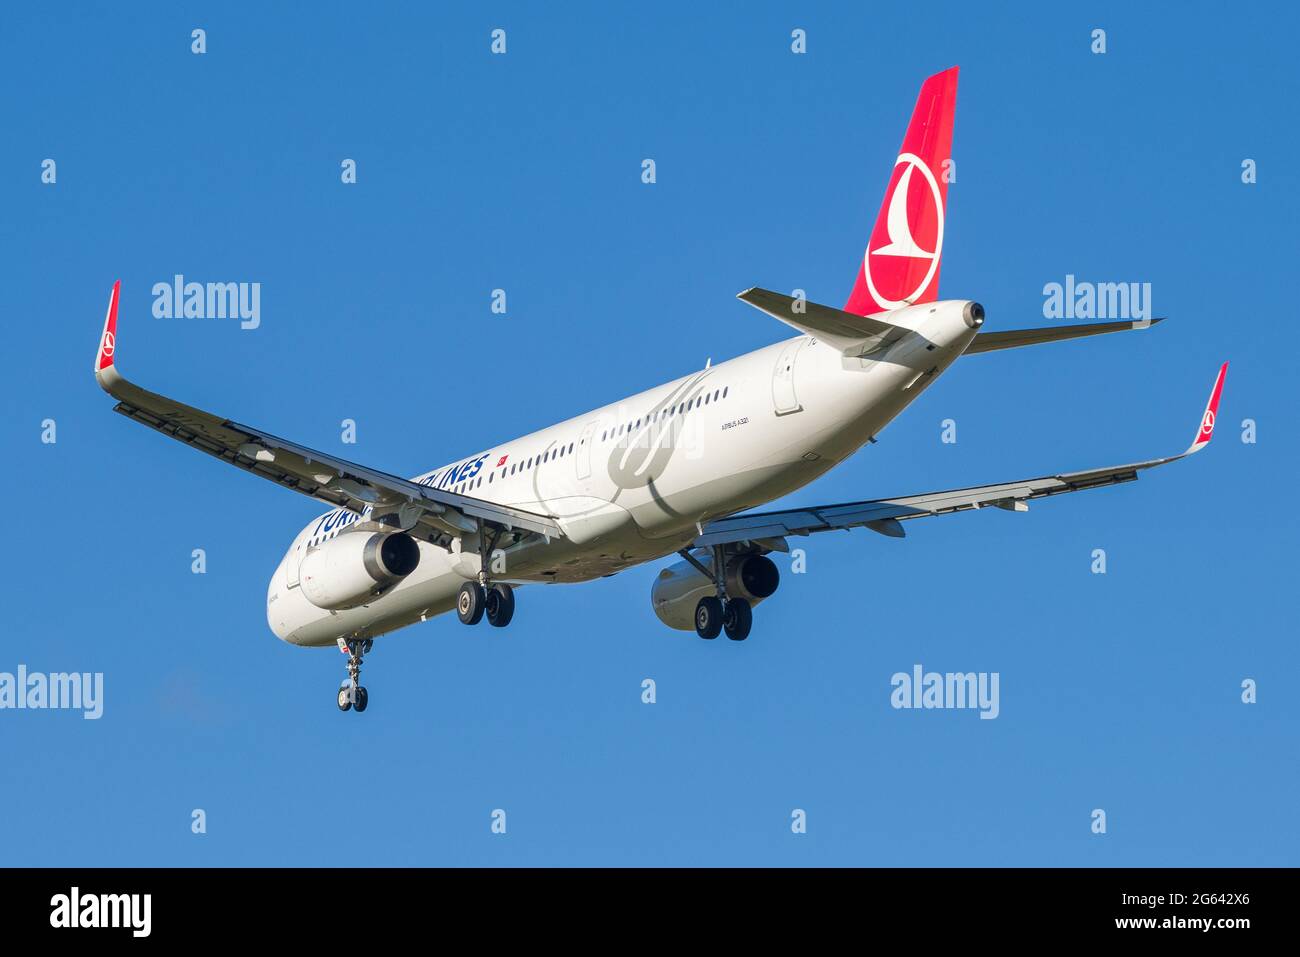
{"x":352,"y":696}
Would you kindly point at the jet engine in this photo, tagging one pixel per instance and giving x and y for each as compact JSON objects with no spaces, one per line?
{"x":354,"y":568}
{"x":679,"y":587}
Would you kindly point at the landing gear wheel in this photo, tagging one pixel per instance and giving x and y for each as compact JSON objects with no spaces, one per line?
{"x":362,"y":700}
{"x":708,"y":617}
{"x":470,"y":603}
{"x":738,"y":619}
{"x":345,"y":699}
{"x":500,"y":602}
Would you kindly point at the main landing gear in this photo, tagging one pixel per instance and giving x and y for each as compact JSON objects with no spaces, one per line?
{"x":474,"y":600}
{"x":351,"y":695}
{"x":714,"y":615}
{"x":478,"y":598}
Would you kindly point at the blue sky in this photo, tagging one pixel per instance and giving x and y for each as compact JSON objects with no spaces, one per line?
{"x":522,"y":172}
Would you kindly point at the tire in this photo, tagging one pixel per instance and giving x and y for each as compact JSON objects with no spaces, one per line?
{"x":470,"y":601}
{"x":363,"y":699}
{"x":739,"y":618}
{"x":345,"y":699}
{"x":708,"y":618}
{"x":500,"y":604}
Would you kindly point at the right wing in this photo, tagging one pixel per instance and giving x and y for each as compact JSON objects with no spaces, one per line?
{"x":885,"y":515}
{"x":324,"y":477}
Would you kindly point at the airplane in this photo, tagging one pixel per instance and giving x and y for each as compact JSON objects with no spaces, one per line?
{"x":676,"y":469}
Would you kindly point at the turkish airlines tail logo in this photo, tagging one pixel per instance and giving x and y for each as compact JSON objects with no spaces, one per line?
{"x":901,"y":263}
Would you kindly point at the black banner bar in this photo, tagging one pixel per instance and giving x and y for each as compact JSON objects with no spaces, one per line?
{"x":328,"y":906}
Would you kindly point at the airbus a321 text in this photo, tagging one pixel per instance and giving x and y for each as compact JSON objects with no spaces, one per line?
{"x":672,"y":470}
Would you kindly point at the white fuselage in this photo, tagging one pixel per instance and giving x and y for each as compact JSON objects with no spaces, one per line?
{"x":630,"y":482}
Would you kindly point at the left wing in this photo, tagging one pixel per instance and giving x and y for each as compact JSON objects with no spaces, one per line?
{"x":335,"y":481}
{"x":885,"y":515}
{"x":1015,"y":338}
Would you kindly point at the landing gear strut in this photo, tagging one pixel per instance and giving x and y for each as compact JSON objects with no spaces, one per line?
{"x":713,"y":615}
{"x":351,"y":694}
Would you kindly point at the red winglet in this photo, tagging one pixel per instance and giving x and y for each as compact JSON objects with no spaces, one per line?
{"x":1206,"y":431}
{"x":108,"y":341}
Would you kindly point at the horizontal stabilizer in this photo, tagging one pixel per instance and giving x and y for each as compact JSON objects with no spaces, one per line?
{"x":845,"y":331}
{"x":992,"y":341}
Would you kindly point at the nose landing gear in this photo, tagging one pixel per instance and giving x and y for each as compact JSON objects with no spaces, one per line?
{"x":351,"y":695}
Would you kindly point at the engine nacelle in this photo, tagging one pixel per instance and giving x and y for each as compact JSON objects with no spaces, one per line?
{"x":680,"y":586}
{"x":354,"y":568}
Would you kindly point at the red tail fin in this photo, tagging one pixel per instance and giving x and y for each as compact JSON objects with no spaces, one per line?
{"x":901,"y":263}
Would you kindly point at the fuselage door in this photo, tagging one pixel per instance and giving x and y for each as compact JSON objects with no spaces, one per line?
{"x":784,"y":399}
{"x":582,"y":461}
{"x":291,"y":563}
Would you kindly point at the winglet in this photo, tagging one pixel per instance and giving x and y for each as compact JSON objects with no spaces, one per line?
{"x":108,"y":340}
{"x":1206,"y":431}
